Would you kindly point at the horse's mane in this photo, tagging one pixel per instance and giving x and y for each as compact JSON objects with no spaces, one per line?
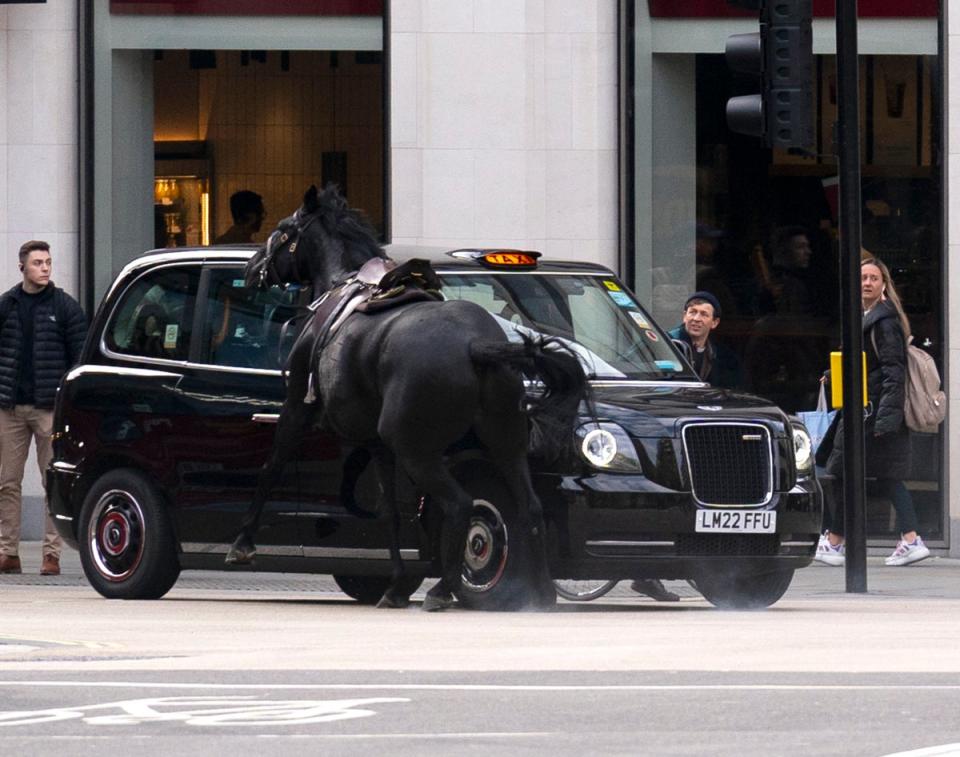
{"x":349,"y":226}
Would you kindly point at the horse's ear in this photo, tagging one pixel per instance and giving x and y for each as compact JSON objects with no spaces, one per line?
{"x":310,"y":199}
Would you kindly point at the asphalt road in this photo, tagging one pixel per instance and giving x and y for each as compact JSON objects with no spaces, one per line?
{"x":285,"y":664}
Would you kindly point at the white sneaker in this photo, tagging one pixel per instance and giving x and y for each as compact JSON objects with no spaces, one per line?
{"x":905,"y":553}
{"x":829,"y":554}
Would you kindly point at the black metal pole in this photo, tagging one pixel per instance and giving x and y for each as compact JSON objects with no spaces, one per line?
{"x":848,"y":154}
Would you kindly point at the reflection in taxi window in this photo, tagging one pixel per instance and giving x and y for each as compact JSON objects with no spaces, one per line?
{"x":246,"y":325}
{"x":155,"y":317}
{"x":613,"y":335}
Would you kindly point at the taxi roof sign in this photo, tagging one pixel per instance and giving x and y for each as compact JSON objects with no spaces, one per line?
{"x":503,"y":259}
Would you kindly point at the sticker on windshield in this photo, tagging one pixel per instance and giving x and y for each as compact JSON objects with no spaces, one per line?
{"x":622,"y":299}
{"x":667,"y":365}
{"x":170,"y":336}
{"x":611,"y":285}
{"x":652,"y":336}
{"x":639,"y":319}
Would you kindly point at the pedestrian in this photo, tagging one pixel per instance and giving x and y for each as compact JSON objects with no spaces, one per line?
{"x":42,"y":329}
{"x":886,"y":333}
{"x":247,"y":210}
{"x":713,"y":361}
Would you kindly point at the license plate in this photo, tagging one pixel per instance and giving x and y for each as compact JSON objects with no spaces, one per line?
{"x":736,"y":521}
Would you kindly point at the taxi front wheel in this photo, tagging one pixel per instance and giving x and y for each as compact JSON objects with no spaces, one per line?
{"x":127,"y":544}
{"x":739,"y":590}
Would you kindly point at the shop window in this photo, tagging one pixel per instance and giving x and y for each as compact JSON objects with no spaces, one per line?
{"x":267,"y":122}
{"x":767,"y":237}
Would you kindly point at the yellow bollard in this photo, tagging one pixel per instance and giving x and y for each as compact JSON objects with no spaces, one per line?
{"x":836,"y":379}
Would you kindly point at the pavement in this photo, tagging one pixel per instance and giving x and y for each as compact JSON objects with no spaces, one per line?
{"x":933,"y":578}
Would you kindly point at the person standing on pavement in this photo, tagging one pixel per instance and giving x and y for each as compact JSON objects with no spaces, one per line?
{"x":886,"y":331}
{"x":42,"y":329}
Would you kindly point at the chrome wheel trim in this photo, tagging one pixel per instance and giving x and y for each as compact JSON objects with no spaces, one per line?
{"x":486,"y":550}
{"x":115,"y":535}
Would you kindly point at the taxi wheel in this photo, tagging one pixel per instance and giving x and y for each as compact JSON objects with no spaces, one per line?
{"x":127,"y":544}
{"x":368,"y":590}
{"x":493,"y":573}
{"x":743,"y":591}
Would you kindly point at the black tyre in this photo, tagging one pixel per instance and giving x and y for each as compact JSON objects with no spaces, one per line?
{"x":743,"y":591}
{"x":127,"y":545}
{"x":494,"y":571}
{"x":368,"y":590}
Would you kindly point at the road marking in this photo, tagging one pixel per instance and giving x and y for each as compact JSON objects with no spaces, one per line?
{"x":62,"y":642}
{"x":204,"y":711}
{"x":944,"y":750}
{"x":495,"y":687}
{"x":17,"y":649}
{"x":443,"y":735}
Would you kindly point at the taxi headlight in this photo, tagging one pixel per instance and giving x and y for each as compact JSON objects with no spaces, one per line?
{"x":802,"y":450}
{"x":608,"y":447}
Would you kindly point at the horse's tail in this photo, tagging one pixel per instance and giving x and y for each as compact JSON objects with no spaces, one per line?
{"x":552,"y":411}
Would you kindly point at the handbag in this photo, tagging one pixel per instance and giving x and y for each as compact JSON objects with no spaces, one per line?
{"x":818,"y":421}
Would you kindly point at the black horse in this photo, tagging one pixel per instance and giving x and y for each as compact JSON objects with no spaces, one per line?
{"x":407,"y":383}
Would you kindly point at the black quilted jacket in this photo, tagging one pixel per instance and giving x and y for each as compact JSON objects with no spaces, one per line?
{"x":58,"y":335}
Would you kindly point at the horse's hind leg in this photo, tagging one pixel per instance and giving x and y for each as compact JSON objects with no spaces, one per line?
{"x":505,"y":435}
{"x":532,"y":528}
{"x":294,"y":419}
{"x":431,"y":476}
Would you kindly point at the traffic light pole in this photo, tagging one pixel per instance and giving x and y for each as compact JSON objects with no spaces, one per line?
{"x":848,"y":156}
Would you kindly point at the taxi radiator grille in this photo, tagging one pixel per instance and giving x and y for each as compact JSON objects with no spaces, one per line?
{"x":727,"y":545}
{"x":729,"y":463}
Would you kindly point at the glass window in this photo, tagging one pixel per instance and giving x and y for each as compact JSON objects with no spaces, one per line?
{"x":248,"y":328}
{"x":594,"y":315}
{"x":155,"y":316}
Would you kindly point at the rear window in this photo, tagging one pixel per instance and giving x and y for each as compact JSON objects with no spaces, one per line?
{"x":155,"y":316}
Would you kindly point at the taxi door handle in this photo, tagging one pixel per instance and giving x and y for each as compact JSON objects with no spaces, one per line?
{"x":266,"y":417}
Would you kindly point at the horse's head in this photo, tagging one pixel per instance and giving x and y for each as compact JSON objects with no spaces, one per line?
{"x":323,"y":242}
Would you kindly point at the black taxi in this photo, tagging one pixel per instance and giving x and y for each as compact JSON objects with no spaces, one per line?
{"x":161,"y":430}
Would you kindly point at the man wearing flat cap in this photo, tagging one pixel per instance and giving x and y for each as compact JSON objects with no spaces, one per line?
{"x":713,"y":362}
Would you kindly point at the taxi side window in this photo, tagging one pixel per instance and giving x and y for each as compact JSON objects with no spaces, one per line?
{"x":245,"y":326}
{"x":155,"y":316}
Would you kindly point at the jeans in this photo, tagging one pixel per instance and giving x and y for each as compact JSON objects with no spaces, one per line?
{"x":889,"y":488}
{"x":17,"y":427}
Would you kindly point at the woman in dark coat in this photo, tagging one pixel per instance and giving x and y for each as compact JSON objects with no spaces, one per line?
{"x":886,"y":331}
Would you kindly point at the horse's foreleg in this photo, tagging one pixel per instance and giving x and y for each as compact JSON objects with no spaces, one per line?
{"x":294,"y":418}
{"x":395,"y":596}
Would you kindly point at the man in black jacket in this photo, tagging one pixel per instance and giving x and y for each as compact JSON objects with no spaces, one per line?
{"x":42,"y":329}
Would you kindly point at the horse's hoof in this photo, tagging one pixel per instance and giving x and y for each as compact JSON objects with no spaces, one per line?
{"x":434,"y":604}
{"x":393,"y":602}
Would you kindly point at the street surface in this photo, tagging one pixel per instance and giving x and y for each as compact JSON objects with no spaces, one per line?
{"x":282,"y":664}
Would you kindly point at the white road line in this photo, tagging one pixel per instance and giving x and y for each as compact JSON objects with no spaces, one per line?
{"x":444,"y":735}
{"x":492,"y":687}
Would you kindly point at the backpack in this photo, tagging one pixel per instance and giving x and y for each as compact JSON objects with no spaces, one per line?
{"x":925,"y":404}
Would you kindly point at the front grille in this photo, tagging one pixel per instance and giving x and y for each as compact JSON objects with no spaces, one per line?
{"x":729,"y":463}
{"x":728,"y":545}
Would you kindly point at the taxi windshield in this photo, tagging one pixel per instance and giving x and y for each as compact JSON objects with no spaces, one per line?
{"x":594,"y":315}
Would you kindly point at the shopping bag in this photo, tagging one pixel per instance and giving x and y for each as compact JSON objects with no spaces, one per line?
{"x":818,"y":421}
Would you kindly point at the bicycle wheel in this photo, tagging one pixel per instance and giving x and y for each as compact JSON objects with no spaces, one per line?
{"x":582,"y":591}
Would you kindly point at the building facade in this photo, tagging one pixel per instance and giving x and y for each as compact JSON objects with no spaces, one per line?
{"x":583,"y":128}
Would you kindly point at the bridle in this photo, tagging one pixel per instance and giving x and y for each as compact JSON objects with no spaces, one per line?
{"x":279,"y":240}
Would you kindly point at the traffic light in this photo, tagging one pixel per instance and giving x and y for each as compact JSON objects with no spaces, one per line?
{"x":780,"y":55}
